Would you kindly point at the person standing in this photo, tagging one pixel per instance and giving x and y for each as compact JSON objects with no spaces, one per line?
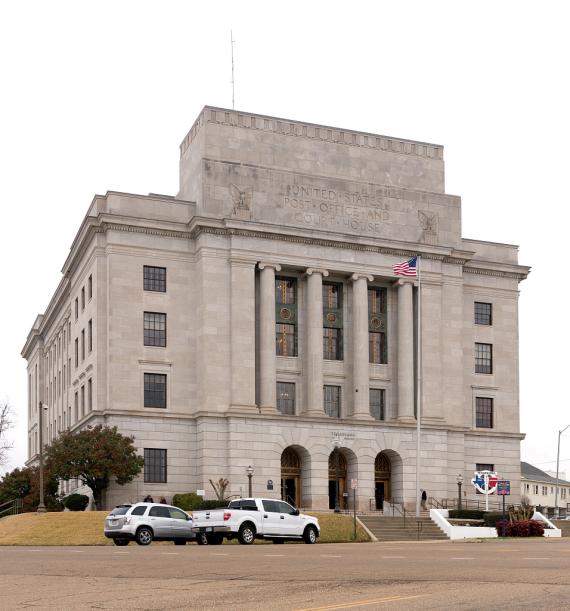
{"x":148,"y":499}
{"x":424,"y":499}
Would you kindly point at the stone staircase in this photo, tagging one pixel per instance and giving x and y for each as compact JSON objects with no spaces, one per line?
{"x":386,"y":528}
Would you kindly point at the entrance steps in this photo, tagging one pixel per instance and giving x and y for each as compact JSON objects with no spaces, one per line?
{"x":386,"y":528}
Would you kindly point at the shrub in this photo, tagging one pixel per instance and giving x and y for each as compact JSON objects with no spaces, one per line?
{"x":491,"y":518}
{"x":523,"y":528}
{"x":190,"y":501}
{"x":76,"y":502}
{"x":466,"y":514}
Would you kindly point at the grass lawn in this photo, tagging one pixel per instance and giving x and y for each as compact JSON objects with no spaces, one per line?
{"x":86,"y":528}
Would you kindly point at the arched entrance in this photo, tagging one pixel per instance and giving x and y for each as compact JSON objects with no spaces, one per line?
{"x":342,"y":473}
{"x":291,"y":477}
{"x":382,"y":480}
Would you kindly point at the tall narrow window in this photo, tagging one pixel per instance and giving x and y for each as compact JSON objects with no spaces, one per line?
{"x":82,"y":344}
{"x":286,"y":316}
{"x":76,"y":308}
{"x":154,"y":279}
{"x":484,"y":412}
{"x":82,"y":298}
{"x":154,"y":465}
{"x":332,"y":321}
{"x":286,"y":398}
{"x":76,"y":405}
{"x":378,"y":403}
{"x":90,"y":394}
{"x":82,"y":401}
{"x":76,"y":352}
{"x":155,"y":390}
{"x":482,"y":466}
{"x":332,"y":401}
{"x":90,"y":287}
{"x":483,"y":313}
{"x":377,"y":309}
{"x":90,"y":335}
{"x":483,"y":358}
{"x":154,"y":329}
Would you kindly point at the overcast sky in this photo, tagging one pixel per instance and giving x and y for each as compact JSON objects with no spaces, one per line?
{"x":98,"y":96}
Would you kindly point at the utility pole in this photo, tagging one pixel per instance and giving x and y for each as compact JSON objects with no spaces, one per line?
{"x":556,"y":510}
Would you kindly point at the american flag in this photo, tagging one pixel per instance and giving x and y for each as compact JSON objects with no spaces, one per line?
{"x":406,"y":268}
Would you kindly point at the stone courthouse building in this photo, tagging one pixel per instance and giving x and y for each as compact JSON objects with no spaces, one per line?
{"x":254,"y":320}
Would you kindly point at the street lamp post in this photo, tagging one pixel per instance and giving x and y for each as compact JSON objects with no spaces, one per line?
{"x":41,"y":506}
{"x":249,"y":472}
{"x":459,"y":483}
{"x":556,"y":510}
{"x":337,"y":476}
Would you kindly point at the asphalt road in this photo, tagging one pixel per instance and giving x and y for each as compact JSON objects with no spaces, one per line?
{"x":508,"y":574}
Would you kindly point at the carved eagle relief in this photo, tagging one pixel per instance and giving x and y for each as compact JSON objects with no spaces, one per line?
{"x":429,"y":223}
{"x":241,"y":198}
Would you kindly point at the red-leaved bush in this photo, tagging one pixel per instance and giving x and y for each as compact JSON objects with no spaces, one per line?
{"x":524,"y":528}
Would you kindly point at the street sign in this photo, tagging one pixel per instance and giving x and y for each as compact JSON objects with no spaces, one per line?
{"x":353,"y":484}
{"x":504,"y":487}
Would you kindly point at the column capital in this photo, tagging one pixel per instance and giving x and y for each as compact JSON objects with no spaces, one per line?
{"x":315,"y":270}
{"x":357,"y":276}
{"x":404,"y":281}
{"x":264,"y":264}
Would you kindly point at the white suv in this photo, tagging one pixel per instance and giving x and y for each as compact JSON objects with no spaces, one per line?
{"x":145,"y":522}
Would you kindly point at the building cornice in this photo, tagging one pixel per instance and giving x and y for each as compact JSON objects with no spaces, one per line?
{"x":310,"y":131}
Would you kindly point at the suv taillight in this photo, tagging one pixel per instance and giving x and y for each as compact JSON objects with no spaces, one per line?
{"x":227,"y":515}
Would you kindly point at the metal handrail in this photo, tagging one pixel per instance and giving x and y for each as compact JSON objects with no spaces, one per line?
{"x":13,"y":507}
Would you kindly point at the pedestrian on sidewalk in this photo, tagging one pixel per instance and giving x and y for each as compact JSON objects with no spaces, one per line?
{"x":424,"y":499}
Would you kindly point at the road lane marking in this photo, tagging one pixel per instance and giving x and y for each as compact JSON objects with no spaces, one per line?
{"x":390,"y":557}
{"x":212,"y":554}
{"x":530,"y":558}
{"x":76,"y":551}
{"x":274,"y":555}
{"x":329,"y":556}
{"x":169,"y":553}
{"x":461,"y":558}
{"x":363,"y":603}
{"x":120,"y":552}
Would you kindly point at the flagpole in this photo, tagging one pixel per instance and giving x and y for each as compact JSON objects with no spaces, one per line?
{"x":419,"y":388}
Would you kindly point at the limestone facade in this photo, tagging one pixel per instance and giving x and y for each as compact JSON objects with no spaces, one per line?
{"x":319,"y":215}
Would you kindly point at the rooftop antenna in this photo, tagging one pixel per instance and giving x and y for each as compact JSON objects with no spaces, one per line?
{"x":233,"y":87}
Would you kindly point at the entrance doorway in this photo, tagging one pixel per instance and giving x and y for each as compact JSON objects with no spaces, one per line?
{"x":342,"y":471}
{"x":291,"y":477}
{"x":382,"y":480}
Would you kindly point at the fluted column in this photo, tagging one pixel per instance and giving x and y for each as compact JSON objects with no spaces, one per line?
{"x":314,"y":348}
{"x":361,"y":369}
{"x":267,"y":375}
{"x":405,"y":350}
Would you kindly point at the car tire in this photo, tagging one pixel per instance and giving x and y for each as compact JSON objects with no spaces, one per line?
{"x":246,"y":534}
{"x":179,"y":541}
{"x":144,"y":536}
{"x":310,"y":535}
{"x":201,"y":539}
{"x":121,"y":542}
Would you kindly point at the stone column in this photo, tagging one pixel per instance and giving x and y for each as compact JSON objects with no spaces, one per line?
{"x":405,"y":350}
{"x":242,"y":330}
{"x":314,"y":346}
{"x":361,"y":370}
{"x":267,"y":375}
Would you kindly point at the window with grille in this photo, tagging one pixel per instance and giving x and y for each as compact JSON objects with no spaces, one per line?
{"x":286,"y":398}
{"x":154,"y":466}
{"x":155,"y":390}
{"x":154,"y":279}
{"x":332,"y":401}
{"x":285,"y":316}
{"x":484,"y":412}
{"x":483,"y":358}
{"x":377,"y":403}
{"x":154,"y":329}
{"x":377,"y":309}
{"x":332,"y":321}
{"x":483,"y":313}
{"x":481,"y":466}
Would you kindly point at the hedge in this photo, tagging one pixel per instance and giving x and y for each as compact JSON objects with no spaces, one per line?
{"x":466,"y":514}
{"x":76,"y":502}
{"x":524,"y":528}
{"x":190,"y":501}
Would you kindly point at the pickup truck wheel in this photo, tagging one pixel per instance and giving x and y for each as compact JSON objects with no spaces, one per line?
{"x":144,"y":536}
{"x":310,"y":534}
{"x":201,"y":539}
{"x":246,"y":534}
{"x":121,"y":542}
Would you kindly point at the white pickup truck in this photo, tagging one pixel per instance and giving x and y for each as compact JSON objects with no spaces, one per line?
{"x":250,"y":519}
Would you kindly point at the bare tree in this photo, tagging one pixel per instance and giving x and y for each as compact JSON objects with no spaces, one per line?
{"x":220,"y":487}
{"x":6,"y":423}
